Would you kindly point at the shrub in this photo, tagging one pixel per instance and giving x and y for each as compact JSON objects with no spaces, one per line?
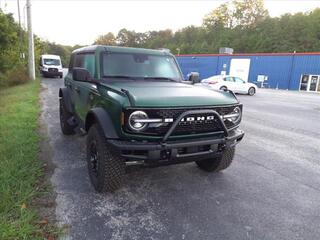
{"x":3,"y":80}
{"x":17,"y":76}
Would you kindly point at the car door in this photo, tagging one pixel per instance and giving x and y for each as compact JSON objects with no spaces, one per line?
{"x":68,"y":81}
{"x":229,"y":82}
{"x":240,"y":85}
{"x":82,"y":90}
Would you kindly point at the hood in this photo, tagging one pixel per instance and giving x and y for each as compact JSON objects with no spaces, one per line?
{"x":171,"y":94}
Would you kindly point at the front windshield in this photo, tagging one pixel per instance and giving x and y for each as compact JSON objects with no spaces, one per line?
{"x":140,"y":66}
{"x":48,"y":61}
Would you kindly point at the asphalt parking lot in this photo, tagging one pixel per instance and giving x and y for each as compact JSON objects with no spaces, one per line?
{"x":271,"y":191}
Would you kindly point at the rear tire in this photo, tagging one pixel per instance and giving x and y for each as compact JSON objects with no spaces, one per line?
{"x":106,"y":167}
{"x":223,"y":88}
{"x":251,"y":91}
{"x":66,"y":128}
{"x":219,"y":163}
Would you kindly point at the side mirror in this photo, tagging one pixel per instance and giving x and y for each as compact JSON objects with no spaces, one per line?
{"x":81,"y":74}
{"x":194,"y":77}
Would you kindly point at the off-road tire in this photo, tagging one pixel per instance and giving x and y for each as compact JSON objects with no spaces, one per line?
{"x":110,"y":166}
{"x":66,"y":128}
{"x":251,"y":91}
{"x":219,"y":163}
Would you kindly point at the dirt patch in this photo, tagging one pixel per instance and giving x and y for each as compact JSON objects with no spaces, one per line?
{"x":46,"y":202}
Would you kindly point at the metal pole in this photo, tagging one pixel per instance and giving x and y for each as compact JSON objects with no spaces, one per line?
{"x":18,"y":2}
{"x":31,"y":66}
{"x":20,"y":30}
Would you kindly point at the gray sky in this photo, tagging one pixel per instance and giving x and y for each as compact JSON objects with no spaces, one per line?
{"x":80,"y":22}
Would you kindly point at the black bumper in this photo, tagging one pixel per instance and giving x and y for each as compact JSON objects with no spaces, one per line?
{"x":52,"y":74}
{"x":171,"y":152}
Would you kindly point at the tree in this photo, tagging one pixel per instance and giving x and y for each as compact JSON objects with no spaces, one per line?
{"x":8,"y":42}
{"x":106,"y":39}
{"x":222,"y":16}
{"x":127,"y":38}
{"x":236,"y":13}
{"x":249,"y":12}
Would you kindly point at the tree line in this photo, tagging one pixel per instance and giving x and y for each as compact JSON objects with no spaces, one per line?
{"x":244,"y":25}
{"x":14,"y":49}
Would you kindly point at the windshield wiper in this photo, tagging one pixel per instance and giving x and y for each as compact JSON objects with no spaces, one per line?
{"x":161,"y":78}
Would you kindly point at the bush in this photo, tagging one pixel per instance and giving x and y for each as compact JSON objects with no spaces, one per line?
{"x":14,"y":77}
{"x":3,"y":80}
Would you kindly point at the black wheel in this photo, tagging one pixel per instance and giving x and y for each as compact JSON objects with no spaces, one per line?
{"x":60,"y":76}
{"x":251,"y":91}
{"x":106,"y":167}
{"x":223,"y":88}
{"x":66,"y":128}
{"x":219,"y":163}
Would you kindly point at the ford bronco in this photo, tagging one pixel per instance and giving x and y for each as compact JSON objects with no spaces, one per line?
{"x":135,"y":107}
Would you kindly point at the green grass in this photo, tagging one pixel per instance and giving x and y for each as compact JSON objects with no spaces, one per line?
{"x":20,"y":168}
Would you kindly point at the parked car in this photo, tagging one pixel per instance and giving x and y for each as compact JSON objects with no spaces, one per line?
{"x":136,"y":108}
{"x":50,"y":66}
{"x":235,"y":84}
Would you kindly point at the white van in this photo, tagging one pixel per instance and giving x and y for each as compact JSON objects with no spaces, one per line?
{"x":50,"y":66}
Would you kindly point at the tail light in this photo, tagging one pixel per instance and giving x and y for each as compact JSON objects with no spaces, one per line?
{"x":212,"y":82}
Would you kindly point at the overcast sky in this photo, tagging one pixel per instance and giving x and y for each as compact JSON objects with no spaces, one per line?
{"x":80,"y":22}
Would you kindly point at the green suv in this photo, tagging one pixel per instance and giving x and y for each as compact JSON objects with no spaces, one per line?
{"x":136,"y":108}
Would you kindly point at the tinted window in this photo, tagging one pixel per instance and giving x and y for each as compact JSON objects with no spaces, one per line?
{"x":71,"y":63}
{"x":140,"y":65}
{"x":229,"y":79}
{"x":238,"y":80}
{"x":78,"y":62}
{"x":85,"y":61}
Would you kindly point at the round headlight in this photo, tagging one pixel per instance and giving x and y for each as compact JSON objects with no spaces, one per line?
{"x":134,"y":123}
{"x":235,"y":115}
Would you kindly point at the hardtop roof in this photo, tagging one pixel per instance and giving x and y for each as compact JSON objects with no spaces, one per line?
{"x":117,"y":49}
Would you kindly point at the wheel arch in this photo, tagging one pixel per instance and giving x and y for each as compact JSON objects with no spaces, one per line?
{"x":102,"y":117}
{"x":65,"y":95}
{"x":252,"y":87}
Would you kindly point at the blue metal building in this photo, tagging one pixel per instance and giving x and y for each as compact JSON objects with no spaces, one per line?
{"x":284,"y":70}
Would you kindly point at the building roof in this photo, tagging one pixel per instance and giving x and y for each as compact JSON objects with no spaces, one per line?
{"x":248,"y":54}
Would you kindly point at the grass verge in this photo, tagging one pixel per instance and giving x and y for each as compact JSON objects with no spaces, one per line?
{"x":20,"y":168}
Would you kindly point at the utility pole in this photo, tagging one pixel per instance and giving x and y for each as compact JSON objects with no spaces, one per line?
{"x":20,"y":31}
{"x":31,"y":66}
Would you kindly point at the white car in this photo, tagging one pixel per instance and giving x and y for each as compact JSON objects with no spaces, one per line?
{"x":50,"y":65}
{"x":235,"y":84}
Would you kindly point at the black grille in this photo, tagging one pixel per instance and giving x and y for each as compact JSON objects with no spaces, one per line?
{"x":183,"y":128}
{"x":53,"y":69}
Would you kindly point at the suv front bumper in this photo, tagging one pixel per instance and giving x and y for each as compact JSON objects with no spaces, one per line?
{"x":171,"y":152}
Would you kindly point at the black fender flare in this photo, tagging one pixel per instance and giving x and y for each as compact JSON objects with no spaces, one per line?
{"x":64,"y":93}
{"x":102,"y":117}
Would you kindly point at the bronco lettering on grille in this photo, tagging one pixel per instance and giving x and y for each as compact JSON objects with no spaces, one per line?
{"x":192,"y":119}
